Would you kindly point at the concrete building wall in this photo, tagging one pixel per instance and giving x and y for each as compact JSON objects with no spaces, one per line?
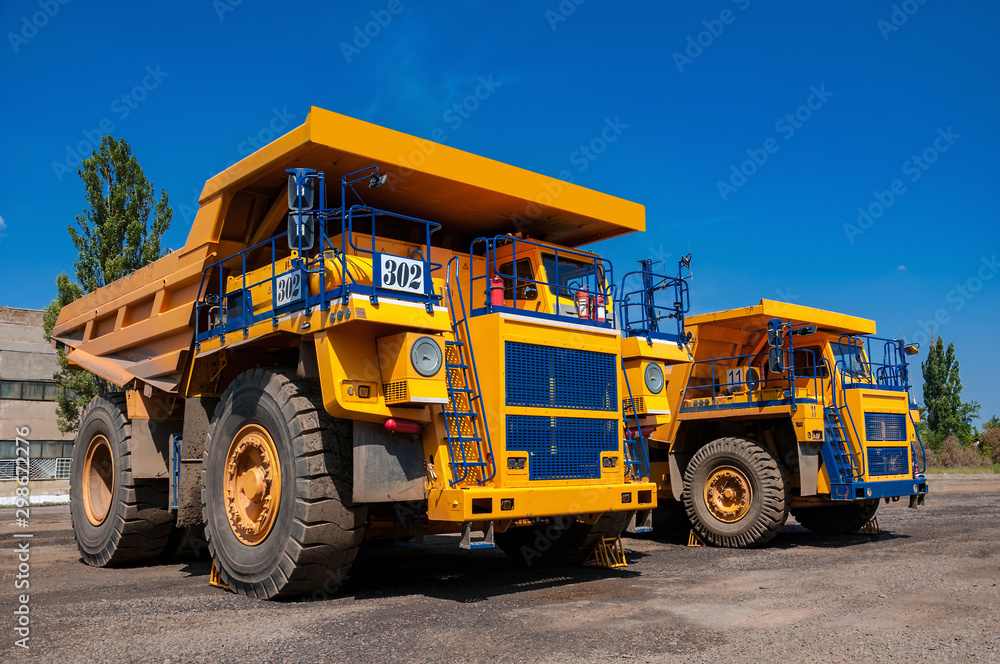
{"x":26,"y":356}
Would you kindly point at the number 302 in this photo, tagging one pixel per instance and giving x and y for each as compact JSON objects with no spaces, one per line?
{"x":400,"y":275}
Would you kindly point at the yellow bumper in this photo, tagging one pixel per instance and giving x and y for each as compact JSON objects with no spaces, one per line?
{"x":487,"y":503}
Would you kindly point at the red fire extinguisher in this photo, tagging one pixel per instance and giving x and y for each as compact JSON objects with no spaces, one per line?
{"x":602,"y":314}
{"x":496,"y":291}
{"x":582,"y":304}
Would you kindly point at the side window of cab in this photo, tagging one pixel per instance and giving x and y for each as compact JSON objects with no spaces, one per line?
{"x":523,"y":281}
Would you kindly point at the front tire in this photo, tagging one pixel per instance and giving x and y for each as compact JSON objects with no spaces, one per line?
{"x":734,"y":493}
{"x":116,"y":519}
{"x":836,"y":519}
{"x":561,"y":542}
{"x":277,"y":489}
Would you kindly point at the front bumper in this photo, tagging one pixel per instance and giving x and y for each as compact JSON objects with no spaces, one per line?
{"x":488,"y":503}
{"x":885,"y":489}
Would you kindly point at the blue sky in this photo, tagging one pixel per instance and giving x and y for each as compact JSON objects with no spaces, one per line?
{"x":752,"y":133}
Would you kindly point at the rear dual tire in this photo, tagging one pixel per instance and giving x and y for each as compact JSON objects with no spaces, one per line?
{"x":560,"y":542}
{"x":116,"y":519}
{"x":836,"y":519}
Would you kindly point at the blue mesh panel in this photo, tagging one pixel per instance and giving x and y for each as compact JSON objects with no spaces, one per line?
{"x":562,"y":448}
{"x":888,"y":461}
{"x":547,"y":377}
{"x":885,"y":426}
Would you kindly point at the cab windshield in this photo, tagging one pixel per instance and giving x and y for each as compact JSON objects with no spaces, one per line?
{"x":571,"y":275}
{"x":850,"y":359}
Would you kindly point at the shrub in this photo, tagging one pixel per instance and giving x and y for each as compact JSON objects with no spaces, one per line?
{"x":991,"y":444}
{"x":953,"y":454}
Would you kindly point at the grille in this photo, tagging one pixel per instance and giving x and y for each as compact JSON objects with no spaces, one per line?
{"x":562,"y":448}
{"x":885,"y":426}
{"x":547,"y":377}
{"x":640,"y":405}
{"x":396,"y":392}
{"x":888,"y":461}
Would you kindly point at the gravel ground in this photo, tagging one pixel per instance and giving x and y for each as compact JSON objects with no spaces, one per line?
{"x":924,"y":590}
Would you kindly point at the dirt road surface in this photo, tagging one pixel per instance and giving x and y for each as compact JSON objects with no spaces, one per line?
{"x":925,"y":590}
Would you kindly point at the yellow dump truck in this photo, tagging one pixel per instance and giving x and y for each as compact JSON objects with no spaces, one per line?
{"x":781,"y":409}
{"x":366,"y":335}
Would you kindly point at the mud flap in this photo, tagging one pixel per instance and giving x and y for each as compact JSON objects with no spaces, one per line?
{"x":917,"y":501}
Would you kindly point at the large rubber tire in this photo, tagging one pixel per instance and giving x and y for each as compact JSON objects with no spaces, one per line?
{"x":316,"y":529}
{"x":836,"y":519}
{"x":766,"y":507}
{"x":137,"y":523}
{"x":562,"y":542}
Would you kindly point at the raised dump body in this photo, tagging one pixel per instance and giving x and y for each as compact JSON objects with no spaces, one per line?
{"x":786,"y":408}
{"x":365,"y":335}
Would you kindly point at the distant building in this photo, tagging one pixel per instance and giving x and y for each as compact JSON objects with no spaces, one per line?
{"x":27,"y":396}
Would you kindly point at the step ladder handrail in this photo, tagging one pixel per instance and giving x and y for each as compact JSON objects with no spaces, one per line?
{"x":459,"y":327}
{"x":644,"y":464}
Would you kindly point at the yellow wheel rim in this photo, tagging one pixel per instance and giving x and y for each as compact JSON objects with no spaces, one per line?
{"x":252,"y":484}
{"x":728,"y":494}
{"x":98,"y":480}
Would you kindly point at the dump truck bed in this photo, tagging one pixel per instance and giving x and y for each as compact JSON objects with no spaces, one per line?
{"x":141,"y":327}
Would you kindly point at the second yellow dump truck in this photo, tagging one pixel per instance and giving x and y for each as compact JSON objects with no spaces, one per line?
{"x":366,"y":335}
{"x":782,"y":409}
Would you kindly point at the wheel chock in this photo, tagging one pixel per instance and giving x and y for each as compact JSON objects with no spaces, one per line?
{"x":215,"y":579}
{"x":608,"y":553}
{"x":871,"y":528}
{"x":694,"y":540}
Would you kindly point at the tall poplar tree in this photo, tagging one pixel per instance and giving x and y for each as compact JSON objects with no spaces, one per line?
{"x":118,"y":233}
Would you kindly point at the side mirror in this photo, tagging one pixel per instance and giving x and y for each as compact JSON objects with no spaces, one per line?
{"x":911,"y":349}
{"x":806,"y":331}
{"x":300,"y":186}
{"x":301,"y":230}
{"x":774,"y":360}
{"x":775,"y":334}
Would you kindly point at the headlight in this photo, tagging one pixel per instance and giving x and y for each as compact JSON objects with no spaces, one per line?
{"x":426,"y":356}
{"x":654,"y":378}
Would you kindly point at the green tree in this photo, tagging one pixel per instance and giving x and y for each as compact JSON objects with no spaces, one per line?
{"x":944,"y":412}
{"x":117,"y":234}
{"x":78,"y":387}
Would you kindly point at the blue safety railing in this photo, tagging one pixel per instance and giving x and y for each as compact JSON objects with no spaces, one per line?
{"x":219,"y":312}
{"x":750,"y":380}
{"x":858,"y":366}
{"x":595,"y":281}
{"x":641,"y":306}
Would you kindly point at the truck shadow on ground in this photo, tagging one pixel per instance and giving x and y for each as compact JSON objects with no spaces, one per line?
{"x":441,"y":570}
{"x":792,"y":536}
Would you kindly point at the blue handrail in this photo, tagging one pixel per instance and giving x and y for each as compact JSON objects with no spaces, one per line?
{"x":650,"y":313}
{"x":598,"y":276}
